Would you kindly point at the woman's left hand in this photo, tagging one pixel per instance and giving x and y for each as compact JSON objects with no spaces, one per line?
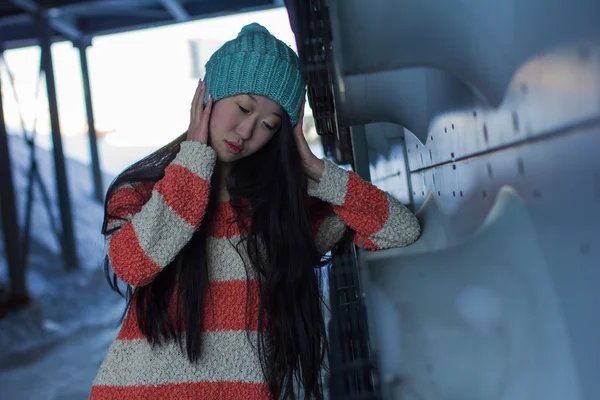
{"x":313,"y":166}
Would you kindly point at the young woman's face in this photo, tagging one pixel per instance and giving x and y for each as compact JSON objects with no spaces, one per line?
{"x":241,"y":125}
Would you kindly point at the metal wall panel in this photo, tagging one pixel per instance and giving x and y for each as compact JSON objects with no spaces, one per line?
{"x":500,"y":102}
{"x":497,"y":299}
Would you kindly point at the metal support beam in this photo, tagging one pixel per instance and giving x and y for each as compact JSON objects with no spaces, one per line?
{"x":176,"y":10}
{"x":59,"y":25}
{"x":360,"y":152}
{"x":66,"y":29}
{"x":408,"y":173}
{"x":95,"y":159}
{"x":68,"y":236}
{"x":10,"y":225}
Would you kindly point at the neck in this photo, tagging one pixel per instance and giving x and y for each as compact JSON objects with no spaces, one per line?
{"x":224,"y":172}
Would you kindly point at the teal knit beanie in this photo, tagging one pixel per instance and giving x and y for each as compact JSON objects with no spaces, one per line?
{"x":256,"y":62}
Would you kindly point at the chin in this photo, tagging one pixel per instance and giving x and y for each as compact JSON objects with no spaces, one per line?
{"x":226,"y":157}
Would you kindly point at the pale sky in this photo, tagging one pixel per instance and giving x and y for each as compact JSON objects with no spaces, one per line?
{"x":141,"y":81}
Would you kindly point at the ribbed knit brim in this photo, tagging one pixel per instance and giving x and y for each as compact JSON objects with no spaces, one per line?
{"x":256,"y":62}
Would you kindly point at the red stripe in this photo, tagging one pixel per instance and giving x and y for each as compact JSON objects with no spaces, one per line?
{"x":365,"y":242}
{"x":185,"y":192}
{"x":224,"y":224}
{"x":224,"y":310}
{"x":225,"y":307}
{"x":198,"y":390}
{"x":365,"y":209}
{"x":129,"y":261}
{"x":127,"y":200}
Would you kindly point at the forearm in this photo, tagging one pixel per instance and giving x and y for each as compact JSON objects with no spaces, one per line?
{"x":379,"y":220}
{"x":152,"y":238}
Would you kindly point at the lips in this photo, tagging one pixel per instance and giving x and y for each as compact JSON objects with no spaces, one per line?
{"x":232,"y":147}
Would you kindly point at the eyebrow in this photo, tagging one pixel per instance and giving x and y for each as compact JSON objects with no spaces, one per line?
{"x":256,"y":101}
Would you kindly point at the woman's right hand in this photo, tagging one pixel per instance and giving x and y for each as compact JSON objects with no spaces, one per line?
{"x":200,"y":115}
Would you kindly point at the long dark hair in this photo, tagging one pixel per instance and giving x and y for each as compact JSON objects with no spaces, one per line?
{"x":269,"y":189}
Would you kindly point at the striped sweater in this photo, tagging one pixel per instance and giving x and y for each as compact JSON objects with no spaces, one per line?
{"x":158,"y":220}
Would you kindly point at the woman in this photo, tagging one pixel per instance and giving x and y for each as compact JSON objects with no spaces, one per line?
{"x":218,"y":233}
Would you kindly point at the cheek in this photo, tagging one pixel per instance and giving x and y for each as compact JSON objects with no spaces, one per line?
{"x":221,"y":120}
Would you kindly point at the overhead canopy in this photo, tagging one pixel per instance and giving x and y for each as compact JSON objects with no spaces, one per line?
{"x":80,"y":20}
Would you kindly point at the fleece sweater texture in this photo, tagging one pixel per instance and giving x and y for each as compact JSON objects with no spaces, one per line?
{"x":156,"y":221}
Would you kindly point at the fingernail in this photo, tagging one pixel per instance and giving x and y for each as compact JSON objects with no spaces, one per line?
{"x":210,"y":97}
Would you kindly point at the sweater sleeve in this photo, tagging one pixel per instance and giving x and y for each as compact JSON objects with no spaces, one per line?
{"x":345,"y":200}
{"x":151,"y":225}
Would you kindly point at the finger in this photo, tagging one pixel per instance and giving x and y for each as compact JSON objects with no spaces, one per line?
{"x":299,"y":129}
{"x":206,"y":114}
{"x":300,"y":140}
{"x":203,"y":93}
{"x":196,"y":96}
{"x":300,"y":115}
{"x":200,"y":104}
{"x":197,"y":92}
{"x":303,"y":147}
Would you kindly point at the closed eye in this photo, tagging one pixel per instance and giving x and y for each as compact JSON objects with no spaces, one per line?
{"x":242,"y":109}
{"x":269,"y":127}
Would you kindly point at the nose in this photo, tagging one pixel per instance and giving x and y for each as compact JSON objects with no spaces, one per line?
{"x":245,"y":129}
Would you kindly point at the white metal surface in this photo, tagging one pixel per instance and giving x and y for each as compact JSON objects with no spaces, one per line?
{"x":498,"y":298}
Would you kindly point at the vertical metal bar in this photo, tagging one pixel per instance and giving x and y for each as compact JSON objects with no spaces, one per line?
{"x":68,"y":236}
{"x":408,"y":172}
{"x":360,"y":151}
{"x":28,"y":213}
{"x":10,"y":225}
{"x":95,"y":159}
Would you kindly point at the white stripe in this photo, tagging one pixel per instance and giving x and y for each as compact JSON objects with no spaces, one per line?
{"x":227,"y":356}
{"x":330,"y":233}
{"x":224,"y":262}
{"x":400,"y":229}
{"x":160,"y":231}
{"x":196,"y":157}
{"x":333,"y":185}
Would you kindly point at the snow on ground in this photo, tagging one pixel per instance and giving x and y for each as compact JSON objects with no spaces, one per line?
{"x":53,"y":348}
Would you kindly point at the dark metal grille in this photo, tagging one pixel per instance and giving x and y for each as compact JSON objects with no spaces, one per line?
{"x":352,"y":372}
{"x":310,"y":22}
